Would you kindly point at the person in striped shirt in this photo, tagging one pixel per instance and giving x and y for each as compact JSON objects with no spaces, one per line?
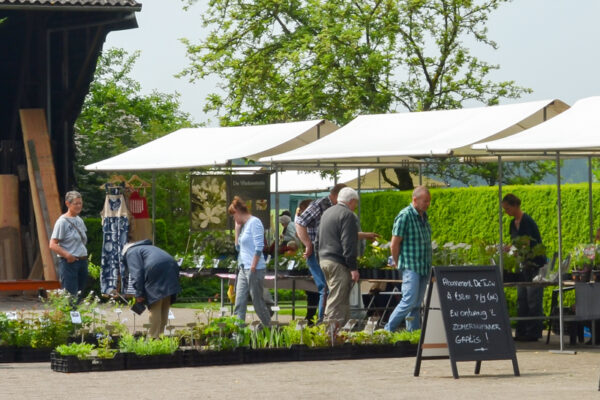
{"x":411,"y":251}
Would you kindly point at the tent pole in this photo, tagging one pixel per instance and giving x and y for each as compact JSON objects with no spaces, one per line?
{"x":591,"y":211}
{"x":560,"y":281}
{"x":335,"y":174}
{"x":358,"y":188}
{"x":501,"y":249}
{"x":154,"y":207}
{"x":420,"y":175}
{"x":276,"y":249}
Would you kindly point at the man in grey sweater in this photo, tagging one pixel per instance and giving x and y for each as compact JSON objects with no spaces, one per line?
{"x":338,"y":249}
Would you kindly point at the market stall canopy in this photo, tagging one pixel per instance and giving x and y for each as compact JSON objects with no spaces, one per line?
{"x":209,"y":147}
{"x":577,"y":129}
{"x":312,"y":182}
{"x":393,"y":138}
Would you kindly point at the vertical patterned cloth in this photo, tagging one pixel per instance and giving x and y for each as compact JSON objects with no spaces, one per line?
{"x":115,"y":227}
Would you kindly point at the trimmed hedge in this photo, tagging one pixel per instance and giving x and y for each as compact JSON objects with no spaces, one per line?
{"x":465,"y":214}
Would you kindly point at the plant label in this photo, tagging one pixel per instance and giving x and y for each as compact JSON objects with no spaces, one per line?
{"x":75,"y":317}
{"x":11,"y":315}
{"x":275,"y":308}
{"x":200,"y":262}
{"x":291,"y":265}
{"x":224,"y":309}
{"x":250,"y":308}
{"x":301,"y":325}
{"x":171,"y":315}
{"x":118,"y":311}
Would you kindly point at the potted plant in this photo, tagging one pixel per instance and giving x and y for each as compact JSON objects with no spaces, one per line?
{"x":582,"y":259}
{"x":151,"y":353}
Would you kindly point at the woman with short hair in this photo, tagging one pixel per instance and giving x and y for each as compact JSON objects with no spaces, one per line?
{"x":68,"y":241}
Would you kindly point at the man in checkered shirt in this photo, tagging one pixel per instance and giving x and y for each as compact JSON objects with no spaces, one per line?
{"x":411,"y":251}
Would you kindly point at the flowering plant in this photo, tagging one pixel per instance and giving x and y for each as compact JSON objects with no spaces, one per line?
{"x":585,"y":256}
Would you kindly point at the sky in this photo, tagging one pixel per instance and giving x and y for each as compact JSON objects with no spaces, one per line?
{"x":550,"y":46}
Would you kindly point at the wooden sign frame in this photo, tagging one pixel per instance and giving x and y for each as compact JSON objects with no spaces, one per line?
{"x":437,"y":306}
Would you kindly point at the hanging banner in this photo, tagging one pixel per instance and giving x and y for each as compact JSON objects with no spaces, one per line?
{"x":210,"y":195}
{"x":255,"y":190}
{"x":208,"y":202}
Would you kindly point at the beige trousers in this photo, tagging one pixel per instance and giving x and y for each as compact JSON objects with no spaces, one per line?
{"x":339,"y":283}
{"x":159,"y":316}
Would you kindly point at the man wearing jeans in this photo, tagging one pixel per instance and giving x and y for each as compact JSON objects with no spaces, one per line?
{"x":411,"y":251}
{"x":307,"y":228}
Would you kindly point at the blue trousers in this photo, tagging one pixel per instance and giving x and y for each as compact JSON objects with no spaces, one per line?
{"x":413,"y":292}
{"x":319,"y":278}
{"x":73,"y":276}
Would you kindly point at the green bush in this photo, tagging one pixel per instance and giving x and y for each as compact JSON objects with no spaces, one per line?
{"x":471,"y":214}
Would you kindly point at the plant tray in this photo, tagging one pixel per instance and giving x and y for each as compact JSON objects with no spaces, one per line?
{"x":201,"y":358}
{"x":7,"y":354}
{"x":133,"y":361}
{"x":29,"y":354}
{"x":401,"y":349}
{"x":306,"y":353}
{"x":116,"y":363}
{"x":270,"y":355}
{"x":69,"y":364}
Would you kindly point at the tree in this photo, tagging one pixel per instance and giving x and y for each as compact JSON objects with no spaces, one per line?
{"x":283,"y":60}
{"x":116,"y":117}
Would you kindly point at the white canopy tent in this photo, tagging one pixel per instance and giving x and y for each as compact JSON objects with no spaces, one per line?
{"x":209,"y":147}
{"x":292,"y":181}
{"x":576,"y":131}
{"x":190,"y":148}
{"x":371,"y":140}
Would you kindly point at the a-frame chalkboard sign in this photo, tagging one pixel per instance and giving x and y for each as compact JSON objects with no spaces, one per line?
{"x":465,"y":318}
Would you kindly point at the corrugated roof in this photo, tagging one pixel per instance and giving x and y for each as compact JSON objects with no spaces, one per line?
{"x":73,"y":3}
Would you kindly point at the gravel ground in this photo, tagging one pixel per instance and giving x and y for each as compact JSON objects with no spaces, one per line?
{"x":544,"y":375}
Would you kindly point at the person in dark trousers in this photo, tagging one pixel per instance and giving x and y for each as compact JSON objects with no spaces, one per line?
{"x":529,"y":299}
{"x":154,"y":275}
{"x":338,"y":249}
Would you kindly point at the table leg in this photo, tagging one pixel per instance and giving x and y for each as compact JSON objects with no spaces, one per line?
{"x":293,"y":299}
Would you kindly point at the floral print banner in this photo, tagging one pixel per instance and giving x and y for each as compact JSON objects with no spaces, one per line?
{"x":208,"y":203}
{"x":210,"y":196}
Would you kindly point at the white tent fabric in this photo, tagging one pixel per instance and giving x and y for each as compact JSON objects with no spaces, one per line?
{"x":311,"y":182}
{"x":372,"y":139}
{"x":207,"y":147}
{"x":577,"y":129}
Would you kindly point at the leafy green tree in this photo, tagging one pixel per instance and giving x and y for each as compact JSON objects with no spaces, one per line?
{"x":285,"y":60}
{"x":116,"y":117}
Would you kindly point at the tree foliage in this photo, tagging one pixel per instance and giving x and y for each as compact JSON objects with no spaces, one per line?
{"x":286,"y":60}
{"x":116,"y":116}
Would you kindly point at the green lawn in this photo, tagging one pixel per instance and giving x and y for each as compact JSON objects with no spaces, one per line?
{"x":300,"y":307}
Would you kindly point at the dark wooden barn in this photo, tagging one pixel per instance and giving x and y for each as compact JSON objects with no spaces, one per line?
{"x":48,"y":54}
